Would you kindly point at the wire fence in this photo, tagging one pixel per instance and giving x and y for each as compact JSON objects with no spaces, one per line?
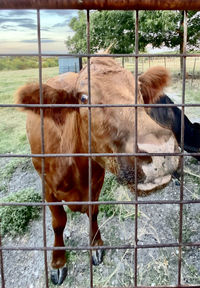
{"x":139,"y":64}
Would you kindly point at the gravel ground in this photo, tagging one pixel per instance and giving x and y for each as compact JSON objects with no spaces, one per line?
{"x":156,"y":224}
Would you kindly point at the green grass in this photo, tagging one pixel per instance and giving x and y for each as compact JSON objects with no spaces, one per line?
{"x":25,"y":62}
{"x":113,"y":191}
{"x":12,"y":122}
{"x":15,"y":219}
{"x":108,"y":194}
{"x":172,"y":64}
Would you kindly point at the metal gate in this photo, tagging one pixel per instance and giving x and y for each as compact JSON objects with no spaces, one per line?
{"x":106,"y":5}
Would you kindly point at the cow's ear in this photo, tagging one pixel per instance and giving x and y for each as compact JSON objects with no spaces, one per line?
{"x":152,"y":83}
{"x":30,"y":94}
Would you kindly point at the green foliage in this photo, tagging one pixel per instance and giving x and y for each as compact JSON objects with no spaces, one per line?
{"x":193,"y":273}
{"x":117,"y":27}
{"x":106,"y":27}
{"x":113,"y":27}
{"x":15,"y":219}
{"x":25,"y":62}
{"x":166,"y":28}
{"x":78,"y":42}
{"x":108,"y":194}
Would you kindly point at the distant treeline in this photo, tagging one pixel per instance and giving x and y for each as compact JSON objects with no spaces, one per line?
{"x":26,"y":62}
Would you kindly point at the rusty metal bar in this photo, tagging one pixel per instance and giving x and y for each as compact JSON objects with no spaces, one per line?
{"x":106,"y":247}
{"x":95,"y":105}
{"x":42,"y":149}
{"x":102,"y":4}
{"x":135,"y":148}
{"x":89,"y":145}
{"x":183,"y":72}
{"x":96,"y":155}
{"x":1,"y":262}
{"x":132,"y":202}
{"x":101,"y":55}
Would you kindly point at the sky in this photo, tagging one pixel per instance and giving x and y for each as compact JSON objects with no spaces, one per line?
{"x":18,"y":30}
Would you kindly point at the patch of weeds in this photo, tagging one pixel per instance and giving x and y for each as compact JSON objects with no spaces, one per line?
{"x":187,"y":230}
{"x":108,"y":194}
{"x":193,"y":161}
{"x":15,"y":219}
{"x":192,"y":274}
{"x":3,"y":187}
{"x":71,"y":256}
{"x":113,"y":191}
{"x":192,"y":184}
{"x":158,"y":270}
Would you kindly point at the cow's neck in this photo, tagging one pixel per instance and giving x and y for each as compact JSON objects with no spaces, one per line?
{"x":72,"y":135}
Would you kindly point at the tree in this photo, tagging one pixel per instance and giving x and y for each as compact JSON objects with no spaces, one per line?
{"x":166,"y":28}
{"x":78,"y":42}
{"x":155,"y":27}
{"x":106,"y":27}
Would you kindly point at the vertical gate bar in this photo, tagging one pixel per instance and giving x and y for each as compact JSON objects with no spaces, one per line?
{"x":42,"y":148}
{"x":1,"y":263}
{"x":183,"y":72}
{"x":135,"y":144}
{"x":89,"y":147}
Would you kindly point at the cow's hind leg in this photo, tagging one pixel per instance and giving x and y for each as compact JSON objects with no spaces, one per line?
{"x":59,"y":219}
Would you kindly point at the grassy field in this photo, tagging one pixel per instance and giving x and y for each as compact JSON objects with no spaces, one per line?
{"x":172,"y":64}
{"x":25,"y":62}
{"x":12,"y":122}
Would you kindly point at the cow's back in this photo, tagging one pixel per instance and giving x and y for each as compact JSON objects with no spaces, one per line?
{"x":64,"y":81}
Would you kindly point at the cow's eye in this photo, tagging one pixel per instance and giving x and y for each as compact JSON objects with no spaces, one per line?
{"x":84,"y":98}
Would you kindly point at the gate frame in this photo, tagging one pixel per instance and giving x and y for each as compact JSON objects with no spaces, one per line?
{"x":105,"y":5}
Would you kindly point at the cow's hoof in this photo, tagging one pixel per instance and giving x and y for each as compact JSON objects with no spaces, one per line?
{"x":97,"y":256}
{"x":58,"y":275}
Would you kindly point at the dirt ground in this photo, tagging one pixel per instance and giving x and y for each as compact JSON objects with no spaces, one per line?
{"x":156,"y":224}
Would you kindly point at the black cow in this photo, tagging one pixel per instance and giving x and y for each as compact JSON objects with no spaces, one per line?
{"x":171,"y":117}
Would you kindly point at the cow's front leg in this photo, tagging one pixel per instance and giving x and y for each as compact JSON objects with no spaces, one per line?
{"x":97,"y":254}
{"x":59,"y":219}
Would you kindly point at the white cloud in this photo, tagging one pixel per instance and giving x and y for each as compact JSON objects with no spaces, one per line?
{"x":18,"y":30}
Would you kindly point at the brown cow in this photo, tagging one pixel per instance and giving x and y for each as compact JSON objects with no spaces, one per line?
{"x":112,"y":130}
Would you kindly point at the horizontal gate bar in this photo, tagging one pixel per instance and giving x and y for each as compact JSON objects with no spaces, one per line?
{"x":95,"y":105}
{"x":71,"y":203}
{"x":98,"y":155}
{"x":176,"y":55}
{"x":102,"y":4}
{"x":113,"y":247}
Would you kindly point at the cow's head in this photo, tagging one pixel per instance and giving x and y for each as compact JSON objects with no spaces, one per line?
{"x":113,"y":129}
